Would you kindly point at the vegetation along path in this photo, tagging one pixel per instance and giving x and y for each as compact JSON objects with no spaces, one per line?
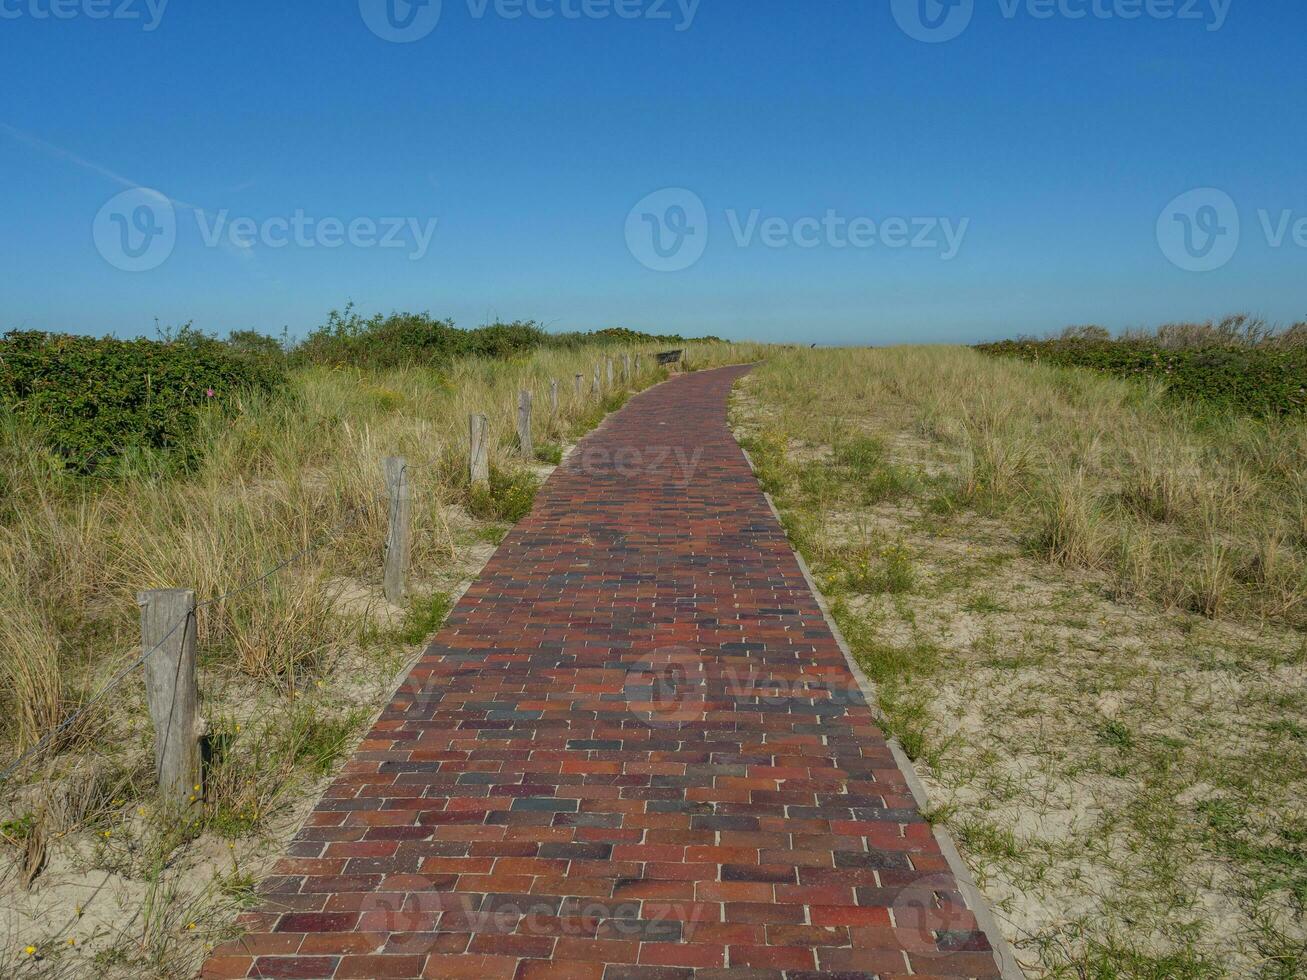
{"x":634,"y":752}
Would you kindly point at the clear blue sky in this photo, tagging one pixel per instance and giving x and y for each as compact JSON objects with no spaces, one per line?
{"x":1059,"y":141}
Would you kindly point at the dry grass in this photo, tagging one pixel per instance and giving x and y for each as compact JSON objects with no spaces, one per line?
{"x":1096,"y":654}
{"x":290,"y":669}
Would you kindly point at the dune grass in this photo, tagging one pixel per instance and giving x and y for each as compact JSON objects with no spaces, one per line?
{"x":291,"y":668}
{"x":1082,"y":605}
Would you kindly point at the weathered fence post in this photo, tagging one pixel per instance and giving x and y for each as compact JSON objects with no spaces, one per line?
{"x":637,"y":364}
{"x":171,"y":691}
{"x":553,"y":396}
{"x":609,"y":362}
{"x":580,"y":386}
{"x":524,"y":424}
{"x":478,"y":457}
{"x":397,"y":534}
{"x":626,"y":369}
{"x":597,"y":384}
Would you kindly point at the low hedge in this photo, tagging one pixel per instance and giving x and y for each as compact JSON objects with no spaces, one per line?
{"x":96,"y":400}
{"x":1262,"y":381}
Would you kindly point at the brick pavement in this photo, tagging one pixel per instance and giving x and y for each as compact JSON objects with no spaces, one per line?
{"x":634,"y":752}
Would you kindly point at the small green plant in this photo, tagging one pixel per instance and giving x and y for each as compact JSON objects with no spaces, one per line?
{"x":984,"y":604}
{"x":14,"y":832}
{"x":891,"y":571}
{"x":1116,"y":735}
{"x":492,"y":534}
{"x":508,"y":496}
{"x":549,"y":452}
{"x":424,"y":617}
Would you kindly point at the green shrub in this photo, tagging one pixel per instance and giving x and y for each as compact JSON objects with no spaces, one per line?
{"x":549,"y":452}
{"x":97,"y":401}
{"x":403,"y":339}
{"x":508,"y":496}
{"x":1261,"y":381}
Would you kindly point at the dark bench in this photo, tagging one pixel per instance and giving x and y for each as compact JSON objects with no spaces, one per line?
{"x":670,"y":357}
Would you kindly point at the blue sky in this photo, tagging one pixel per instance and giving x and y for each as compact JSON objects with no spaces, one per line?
{"x":826,"y":175}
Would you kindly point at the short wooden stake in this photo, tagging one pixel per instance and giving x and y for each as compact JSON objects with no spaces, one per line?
{"x":553,"y":396}
{"x":609,"y":362}
{"x":524,"y":425}
{"x":597,"y":385}
{"x":397,"y":534}
{"x":478,"y":456}
{"x":172,"y":693}
{"x":580,"y":386}
{"x":626,"y":369}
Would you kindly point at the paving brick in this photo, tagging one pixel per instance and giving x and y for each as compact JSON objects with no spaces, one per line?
{"x":634,"y":752}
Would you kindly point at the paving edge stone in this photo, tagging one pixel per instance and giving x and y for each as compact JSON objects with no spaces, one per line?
{"x":1003,"y":952}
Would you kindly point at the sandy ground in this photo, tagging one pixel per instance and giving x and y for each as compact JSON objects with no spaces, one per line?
{"x":1125,"y":781}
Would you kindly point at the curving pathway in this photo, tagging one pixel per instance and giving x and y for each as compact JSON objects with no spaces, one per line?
{"x":634,"y":752}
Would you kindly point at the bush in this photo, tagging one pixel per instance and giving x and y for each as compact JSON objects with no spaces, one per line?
{"x":508,"y":497}
{"x":1263,"y":381}
{"x":94,"y":401}
{"x":404,"y":339}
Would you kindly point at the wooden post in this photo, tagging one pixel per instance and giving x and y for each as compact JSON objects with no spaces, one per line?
{"x":553,"y":396}
{"x":637,"y":365}
{"x":171,"y":691}
{"x":397,"y":535}
{"x":626,"y":369}
{"x":609,"y":362}
{"x":524,"y":425}
{"x":597,"y":384}
{"x":478,"y":450}
{"x":580,"y":386}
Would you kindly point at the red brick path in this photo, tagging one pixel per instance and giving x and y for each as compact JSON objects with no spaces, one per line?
{"x":635,"y":752}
